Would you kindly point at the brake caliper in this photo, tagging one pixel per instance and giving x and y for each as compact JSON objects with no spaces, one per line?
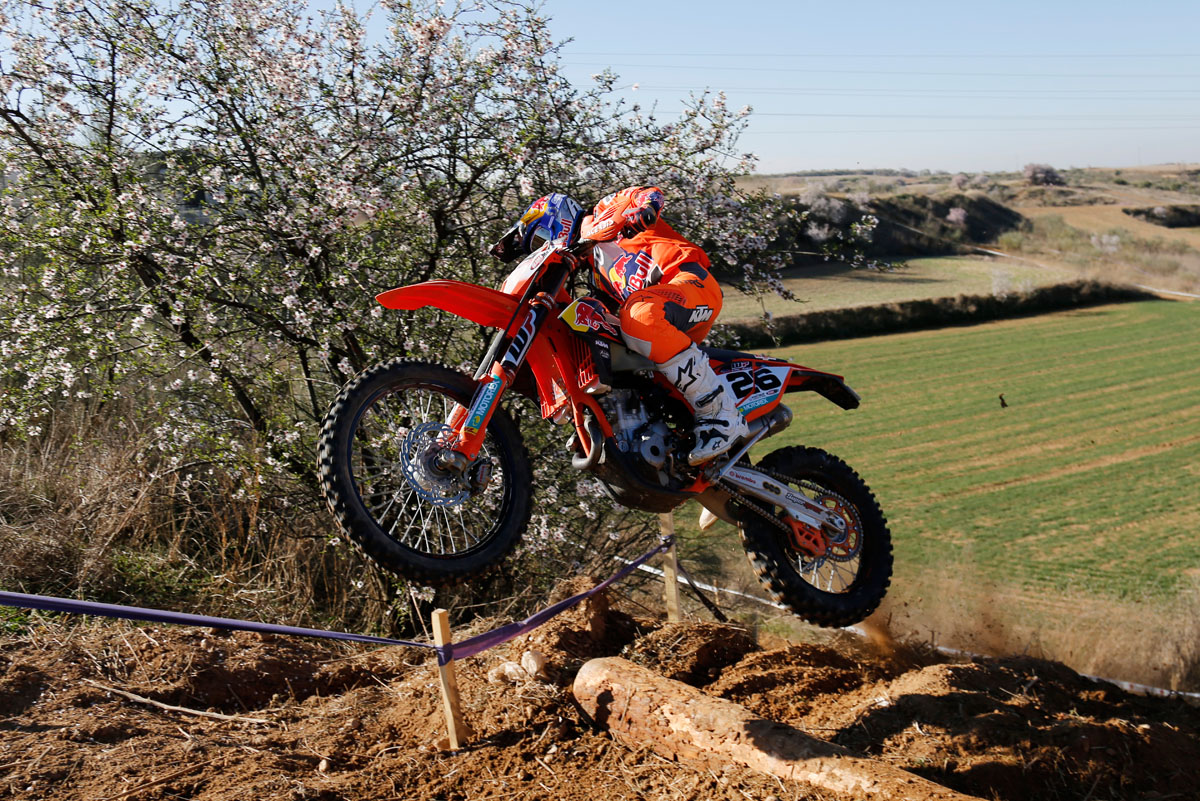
{"x":806,"y":539}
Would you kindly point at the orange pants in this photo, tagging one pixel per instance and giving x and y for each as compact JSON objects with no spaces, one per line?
{"x":661,"y":321}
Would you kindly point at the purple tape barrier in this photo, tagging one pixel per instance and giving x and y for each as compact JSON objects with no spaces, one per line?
{"x":162,"y":616}
{"x":482,"y":642}
{"x":446,"y":653}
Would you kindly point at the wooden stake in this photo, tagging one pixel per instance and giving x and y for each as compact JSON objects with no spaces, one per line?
{"x":455,"y":726}
{"x":666,"y":525}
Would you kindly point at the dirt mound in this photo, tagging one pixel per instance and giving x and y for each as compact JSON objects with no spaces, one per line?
{"x":789,"y":684}
{"x":1014,"y":728}
{"x":344,"y":722}
{"x":694,"y":653}
{"x":1061,"y":196}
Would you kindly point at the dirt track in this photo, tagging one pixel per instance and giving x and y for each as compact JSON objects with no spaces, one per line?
{"x":352,"y":723}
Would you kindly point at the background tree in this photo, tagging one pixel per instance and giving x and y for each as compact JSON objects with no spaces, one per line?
{"x":1043,"y":175}
{"x":202,"y":198}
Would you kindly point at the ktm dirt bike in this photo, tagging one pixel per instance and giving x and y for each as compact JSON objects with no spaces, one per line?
{"x":423,"y":467}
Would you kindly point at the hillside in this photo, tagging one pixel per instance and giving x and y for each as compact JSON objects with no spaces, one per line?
{"x":1020,"y":236}
{"x":1021,"y":528}
{"x":1059,"y":526}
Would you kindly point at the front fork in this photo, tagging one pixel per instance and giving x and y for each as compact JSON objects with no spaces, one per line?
{"x":469,"y":424}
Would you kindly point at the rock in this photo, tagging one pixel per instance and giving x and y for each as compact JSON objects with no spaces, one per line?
{"x":508,"y":673}
{"x":534,"y":664}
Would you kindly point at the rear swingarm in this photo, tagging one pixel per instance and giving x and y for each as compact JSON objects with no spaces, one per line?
{"x":795,"y":505}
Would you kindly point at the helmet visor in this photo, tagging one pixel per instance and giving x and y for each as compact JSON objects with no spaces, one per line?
{"x":538,"y":237}
{"x":508,"y":248}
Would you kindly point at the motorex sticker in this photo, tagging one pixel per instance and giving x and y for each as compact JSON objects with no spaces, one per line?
{"x":483,"y":405}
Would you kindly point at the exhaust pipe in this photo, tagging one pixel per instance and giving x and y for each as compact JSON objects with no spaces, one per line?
{"x":774,"y":421}
{"x":589,"y":460}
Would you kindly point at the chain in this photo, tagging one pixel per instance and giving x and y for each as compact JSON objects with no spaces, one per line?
{"x":742,"y":500}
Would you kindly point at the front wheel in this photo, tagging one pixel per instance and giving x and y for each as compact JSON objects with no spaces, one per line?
{"x":378,"y":464}
{"x":846,"y":582}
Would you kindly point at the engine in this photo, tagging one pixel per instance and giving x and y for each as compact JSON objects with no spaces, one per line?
{"x":641,"y":434}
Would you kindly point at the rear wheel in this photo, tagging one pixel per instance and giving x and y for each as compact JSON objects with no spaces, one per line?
{"x":378,"y":464}
{"x":846,"y":580}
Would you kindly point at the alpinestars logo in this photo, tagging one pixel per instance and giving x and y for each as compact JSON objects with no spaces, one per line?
{"x":701,"y":314}
{"x":707,"y":435}
{"x":687,"y":371}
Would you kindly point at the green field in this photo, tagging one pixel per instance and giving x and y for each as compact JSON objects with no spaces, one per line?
{"x":1090,"y":479}
{"x":836,"y":286}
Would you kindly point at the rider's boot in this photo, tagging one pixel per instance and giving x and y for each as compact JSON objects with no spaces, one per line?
{"x":719,"y":424}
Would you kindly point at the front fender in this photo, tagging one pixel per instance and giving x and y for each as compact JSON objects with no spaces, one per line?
{"x":479,"y":304}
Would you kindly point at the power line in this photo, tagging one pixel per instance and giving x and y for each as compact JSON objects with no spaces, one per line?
{"x":957,"y":56}
{"x":895,"y":116}
{"x":926,"y":73}
{"x":1098,"y":117}
{"x":1091,"y":128}
{"x":1022,"y":94}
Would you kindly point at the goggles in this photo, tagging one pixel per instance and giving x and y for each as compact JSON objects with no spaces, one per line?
{"x":538,"y":237}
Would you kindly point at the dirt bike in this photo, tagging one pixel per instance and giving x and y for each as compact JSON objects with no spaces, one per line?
{"x":423,"y":467}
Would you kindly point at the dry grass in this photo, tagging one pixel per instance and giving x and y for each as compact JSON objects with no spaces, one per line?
{"x":821,"y":287}
{"x":1103,"y":219}
{"x":86,"y":512}
{"x":1081,"y":239}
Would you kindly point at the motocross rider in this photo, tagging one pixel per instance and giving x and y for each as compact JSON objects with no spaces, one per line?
{"x":668,"y":298}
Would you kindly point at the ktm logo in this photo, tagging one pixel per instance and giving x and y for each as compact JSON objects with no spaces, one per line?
{"x":701,"y":314}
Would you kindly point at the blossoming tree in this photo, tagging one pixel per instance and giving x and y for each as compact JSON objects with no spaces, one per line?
{"x":202,"y":197}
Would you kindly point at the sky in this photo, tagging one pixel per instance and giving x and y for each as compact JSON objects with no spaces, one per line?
{"x":956,"y":86}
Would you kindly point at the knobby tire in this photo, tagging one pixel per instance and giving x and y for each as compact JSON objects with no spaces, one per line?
{"x":344,"y":426}
{"x":774,"y":560}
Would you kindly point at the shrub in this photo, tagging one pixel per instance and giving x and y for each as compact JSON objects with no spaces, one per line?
{"x":1174,"y":216}
{"x":933,"y":313}
{"x":1043,"y":175}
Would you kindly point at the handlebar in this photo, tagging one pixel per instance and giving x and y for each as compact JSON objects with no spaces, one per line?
{"x":581,"y":246}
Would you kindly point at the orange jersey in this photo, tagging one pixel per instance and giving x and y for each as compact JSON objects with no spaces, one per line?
{"x":652,"y":257}
{"x":667,"y":247}
{"x":668,"y":297}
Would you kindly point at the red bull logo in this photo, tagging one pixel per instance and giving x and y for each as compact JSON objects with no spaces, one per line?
{"x":631,"y":272}
{"x":587,"y":314}
{"x":538,"y":209}
{"x":616,"y":279}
